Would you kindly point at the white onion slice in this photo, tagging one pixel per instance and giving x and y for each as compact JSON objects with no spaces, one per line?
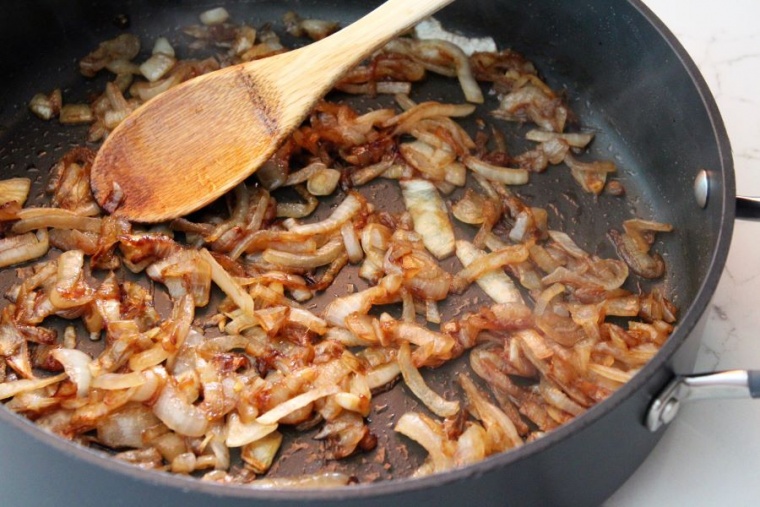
{"x":14,"y":189}
{"x":496,"y":284}
{"x":179,"y":415}
{"x":422,"y":430}
{"x":574,"y":139}
{"x":352,"y":243}
{"x":163,"y":46}
{"x":156,"y":67}
{"x":8,"y":389}
{"x":77,"y":366}
{"x":322,"y":480}
{"x":17,"y":249}
{"x":492,"y":172}
{"x":430,"y":216}
{"x":500,"y":429}
{"x":40,"y":218}
{"x":240,"y":433}
{"x":293,"y":404}
{"x":215,"y":16}
{"x":228,"y":284}
{"x":125,"y":427}
{"x":114,"y":381}
{"x":342,"y":214}
{"x":414,"y":381}
{"x":481,"y":265}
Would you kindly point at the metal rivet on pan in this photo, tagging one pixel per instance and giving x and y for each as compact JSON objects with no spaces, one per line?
{"x":669,"y":411}
{"x":701,"y":188}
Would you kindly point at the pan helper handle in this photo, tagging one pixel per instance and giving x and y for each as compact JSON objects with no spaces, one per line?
{"x":721,"y":385}
{"x":747,"y":207}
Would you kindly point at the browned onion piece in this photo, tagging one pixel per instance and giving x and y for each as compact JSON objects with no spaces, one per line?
{"x":350,"y":206}
{"x":40,"y":218}
{"x":14,"y":189}
{"x":485,"y":264}
{"x":324,"y":255}
{"x":22,"y":248}
{"x":633,"y":248}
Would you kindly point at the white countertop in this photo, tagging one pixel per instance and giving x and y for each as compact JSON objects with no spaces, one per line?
{"x":710,"y":455}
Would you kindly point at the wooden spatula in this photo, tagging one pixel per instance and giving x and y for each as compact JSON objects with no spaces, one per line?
{"x":193,"y":143}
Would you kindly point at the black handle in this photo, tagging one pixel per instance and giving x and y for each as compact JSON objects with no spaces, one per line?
{"x":748,"y":207}
{"x":753,"y":382}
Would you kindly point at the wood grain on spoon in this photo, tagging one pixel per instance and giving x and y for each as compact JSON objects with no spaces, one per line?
{"x":191,"y":144}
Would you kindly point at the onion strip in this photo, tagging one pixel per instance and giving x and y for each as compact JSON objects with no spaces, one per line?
{"x":293,"y":404}
{"x":414,"y":381}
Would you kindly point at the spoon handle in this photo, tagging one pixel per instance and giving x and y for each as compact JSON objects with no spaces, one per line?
{"x":311,"y":71}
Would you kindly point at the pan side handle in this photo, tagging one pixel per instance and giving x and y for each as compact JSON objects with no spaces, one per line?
{"x":748,"y":207}
{"x":721,"y":385}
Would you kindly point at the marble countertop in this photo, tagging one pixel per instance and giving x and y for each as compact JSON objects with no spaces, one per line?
{"x":710,"y":455}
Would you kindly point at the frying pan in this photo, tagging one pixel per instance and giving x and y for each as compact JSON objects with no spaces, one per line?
{"x":662,"y":127}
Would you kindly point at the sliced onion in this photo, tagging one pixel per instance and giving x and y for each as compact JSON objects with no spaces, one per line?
{"x":427,"y":110}
{"x":77,"y":366}
{"x":259,"y":455}
{"x":46,"y":107}
{"x":469,"y":209}
{"x":576,"y":140}
{"x":535,"y":342}
{"x":495,"y":173}
{"x":497,"y":284}
{"x":302,"y":400}
{"x":22,"y":248}
{"x":228,"y":284}
{"x":352,"y":243}
{"x":445,"y":51}
{"x":126,"y":426}
{"x":430,"y":217}
{"x":350,"y":206}
{"x":320,"y":481}
{"x":156,"y":67}
{"x":179,"y":415}
{"x":215,"y":16}
{"x":324,"y":255}
{"x":471,"y":445}
{"x":14,"y":189}
{"x":431,"y":28}
{"x":8,"y":389}
{"x":383,"y":375}
{"x":414,"y":381}
{"x":557,"y":398}
{"x":308,"y":320}
{"x":240,"y":433}
{"x":614,"y":374}
{"x":163,"y":46}
{"x":500,"y":429}
{"x":323,"y":181}
{"x":428,"y":434}
{"x":74,"y":114}
{"x":487,"y":263}
{"x":41,"y":218}
{"x":114,"y":381}
{"x":359,"y":302}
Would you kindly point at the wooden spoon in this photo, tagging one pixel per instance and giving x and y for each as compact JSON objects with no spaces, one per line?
{"x":191,"y":144}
